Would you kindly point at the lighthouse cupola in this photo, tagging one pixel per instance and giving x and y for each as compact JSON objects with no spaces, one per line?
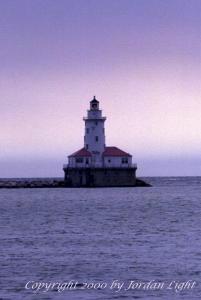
{"x":94,"y":104}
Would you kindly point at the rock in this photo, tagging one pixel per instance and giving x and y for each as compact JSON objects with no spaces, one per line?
{"x":142,"y":183}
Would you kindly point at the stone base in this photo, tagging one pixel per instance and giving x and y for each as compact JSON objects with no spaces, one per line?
{"x":100,"y":177}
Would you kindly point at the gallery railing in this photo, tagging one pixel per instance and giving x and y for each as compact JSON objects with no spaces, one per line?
{"x":65,"y":166}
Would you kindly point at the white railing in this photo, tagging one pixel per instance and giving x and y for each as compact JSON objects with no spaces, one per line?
{"x":65,"y":166}
{"x":94,"y":118}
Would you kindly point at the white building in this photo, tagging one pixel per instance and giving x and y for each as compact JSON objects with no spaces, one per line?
{"x":95,"y":153}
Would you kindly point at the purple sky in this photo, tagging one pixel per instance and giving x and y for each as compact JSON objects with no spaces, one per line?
{"x":142,"y":59}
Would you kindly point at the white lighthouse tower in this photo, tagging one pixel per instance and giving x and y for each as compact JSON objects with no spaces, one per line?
{"x":94,"y":137}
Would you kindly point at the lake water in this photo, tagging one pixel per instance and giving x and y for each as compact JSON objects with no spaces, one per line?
{"x":98,"y":236}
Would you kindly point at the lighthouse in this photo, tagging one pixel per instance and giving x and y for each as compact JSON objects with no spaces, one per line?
{"x":94,"y":136}
{"x":96,"y":164}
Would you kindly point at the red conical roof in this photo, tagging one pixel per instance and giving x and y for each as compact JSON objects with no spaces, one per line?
{"x":81,"y":152}
{"x":114,"y":151}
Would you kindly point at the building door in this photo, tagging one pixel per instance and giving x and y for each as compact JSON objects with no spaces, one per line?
{"x":91,"y":180}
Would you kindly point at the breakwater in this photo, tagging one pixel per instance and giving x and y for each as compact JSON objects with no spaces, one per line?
{"x":16,"y":183}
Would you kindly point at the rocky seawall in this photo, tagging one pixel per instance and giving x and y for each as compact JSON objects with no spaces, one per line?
{"x":46,"y":183}
{"x":31,"y":183}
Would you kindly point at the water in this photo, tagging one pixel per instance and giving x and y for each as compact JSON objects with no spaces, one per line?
{"x":101,"y":235}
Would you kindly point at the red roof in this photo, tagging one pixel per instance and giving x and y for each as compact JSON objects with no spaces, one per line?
{"x":81,"y":152}
{"x":114,"y":151}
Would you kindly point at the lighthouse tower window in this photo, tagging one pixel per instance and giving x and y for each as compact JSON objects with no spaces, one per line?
{"x":96,"y":138}
{"x":94,"y":106}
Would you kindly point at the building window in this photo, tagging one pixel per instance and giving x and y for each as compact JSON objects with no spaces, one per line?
{"x":109,"y":160}
{"x":87,"y":161}
{"x":96,"y":123}
{"x":87,"y":146}
{"x":79,"y":160}
{"x":87,"y":130}
{"x":96,"y":138}
{"x":124,"y":160}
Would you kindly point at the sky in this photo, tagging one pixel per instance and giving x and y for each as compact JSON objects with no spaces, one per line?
{"x":142,"y":60}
